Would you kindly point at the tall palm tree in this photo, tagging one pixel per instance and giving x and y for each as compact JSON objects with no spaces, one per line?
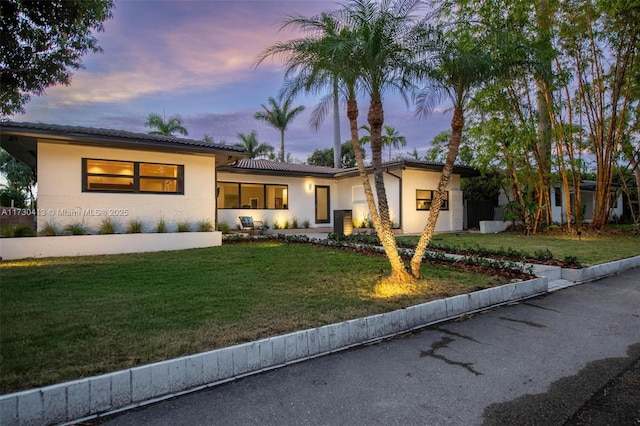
{"x":460,"y":65}
{"x":368,"y":50}
{"x":279,"y":116}
{"x":391,"y":138}
{"x":250,"y":144}
{"x":165,"y":128}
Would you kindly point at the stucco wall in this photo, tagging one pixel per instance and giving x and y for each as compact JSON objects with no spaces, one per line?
{"x":61,"y":200}
{"x":414,"y":220}
{"x":301,"y":197}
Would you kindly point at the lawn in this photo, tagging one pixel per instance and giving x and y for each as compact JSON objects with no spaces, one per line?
{"x":67,"y":318}
{"x":589,"y":249}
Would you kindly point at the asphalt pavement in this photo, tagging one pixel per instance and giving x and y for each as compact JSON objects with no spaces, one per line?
{"x":569,"y":357}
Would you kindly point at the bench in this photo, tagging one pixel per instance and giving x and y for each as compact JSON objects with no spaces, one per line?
{"x":248,"y":224}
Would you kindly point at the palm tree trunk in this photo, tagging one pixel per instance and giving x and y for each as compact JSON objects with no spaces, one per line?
{"x":457,"y":123}
{"x":282,"y":145}
{"x":337,"y":143}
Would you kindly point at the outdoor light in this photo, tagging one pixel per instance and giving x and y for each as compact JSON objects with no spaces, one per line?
{"x":309,"y":186}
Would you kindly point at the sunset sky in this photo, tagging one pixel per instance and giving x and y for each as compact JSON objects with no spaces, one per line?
{"x":196,"y":59}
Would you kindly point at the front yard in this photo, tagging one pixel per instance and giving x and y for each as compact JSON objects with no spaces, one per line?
{"x":66,"y":318}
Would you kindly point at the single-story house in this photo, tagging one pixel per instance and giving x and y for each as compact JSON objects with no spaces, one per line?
{"x":276,"y":193}
{"x":587,"y":201}
{"x":87,"y":174}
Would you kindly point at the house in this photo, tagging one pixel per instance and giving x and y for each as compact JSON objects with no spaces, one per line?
{"x":87,"y":174}
{"x":587,"y":201}
{"x":279,"y":193}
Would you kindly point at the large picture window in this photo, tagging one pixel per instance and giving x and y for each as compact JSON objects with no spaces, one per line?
{"x":131,"y":176}
{"x":235,"y":195}
{"x":424,"y":197}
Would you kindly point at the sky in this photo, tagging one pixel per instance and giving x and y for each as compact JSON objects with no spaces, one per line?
{"x":196,"y":59}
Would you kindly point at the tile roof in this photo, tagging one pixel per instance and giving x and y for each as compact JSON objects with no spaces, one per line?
{"x":78,"y":132}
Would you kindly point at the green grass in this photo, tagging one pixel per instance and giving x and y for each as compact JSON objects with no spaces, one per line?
{"x":590,"y":249}
{"x":67,"y":318}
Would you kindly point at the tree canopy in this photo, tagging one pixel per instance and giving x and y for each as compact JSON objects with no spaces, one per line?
{"x":42,"y":42}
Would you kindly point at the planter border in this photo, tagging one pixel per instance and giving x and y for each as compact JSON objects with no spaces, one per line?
{"x":91,"y":245}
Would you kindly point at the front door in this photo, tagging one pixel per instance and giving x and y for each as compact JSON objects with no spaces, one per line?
{"x":322,"y":205}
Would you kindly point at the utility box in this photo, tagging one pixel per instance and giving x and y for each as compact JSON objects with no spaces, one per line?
{"x":343,"y":222}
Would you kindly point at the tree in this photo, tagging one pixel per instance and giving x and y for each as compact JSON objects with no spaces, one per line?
{"x":252,"y":146}
{"x":390,"y":138}
{"x":165,"y":128}
{"x":42,"y":41}
{"x":325,"y":157}
{"x":20,"y":180}
{"x":439,"y":144}
{"x":279,"y":116}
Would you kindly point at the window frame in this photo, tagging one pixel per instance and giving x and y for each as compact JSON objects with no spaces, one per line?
{"x":285,"y":206}
{"x":137,"y":177}
{"x":432,"y":192}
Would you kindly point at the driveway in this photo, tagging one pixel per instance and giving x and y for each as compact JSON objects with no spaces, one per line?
{"x":534,"y":362}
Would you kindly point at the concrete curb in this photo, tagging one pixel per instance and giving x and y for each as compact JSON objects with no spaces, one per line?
{"x":91,"y":397}
{"x":599,"y":271}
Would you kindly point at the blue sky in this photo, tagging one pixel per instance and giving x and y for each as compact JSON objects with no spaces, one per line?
{"x":196,"y":58}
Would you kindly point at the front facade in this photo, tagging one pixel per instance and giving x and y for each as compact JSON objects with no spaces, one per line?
{"x":278,"y":193}
{"x":87,"y":175}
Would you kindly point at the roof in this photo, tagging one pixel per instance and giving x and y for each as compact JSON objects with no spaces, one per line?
{"x":267,"y":167}
{"x":20,"y":139}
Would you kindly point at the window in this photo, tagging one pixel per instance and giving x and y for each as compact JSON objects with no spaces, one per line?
{"x":130,"y":176}
{"x":425,"y":196}
{"x":235,"y":195}
{"x":557,"y":195}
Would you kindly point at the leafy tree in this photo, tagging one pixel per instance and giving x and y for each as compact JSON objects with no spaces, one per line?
{"x":438,"y":150}
{"x":42,"y":41}
{"x":391,"y":138}
{"x":165,"y":128}
{"x":252,"y":146}
{"x":279,"y":116}
{"x":325,"y":157}
{"x":20,"y":180}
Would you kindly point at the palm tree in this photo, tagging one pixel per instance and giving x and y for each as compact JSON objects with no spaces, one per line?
{"x":279,"y":116}
{"x":368,"y":50}
{"x":250,"y":144}
{"x":461,"y":64}
{"x":165,"y":128}
{"x":391,"y":138}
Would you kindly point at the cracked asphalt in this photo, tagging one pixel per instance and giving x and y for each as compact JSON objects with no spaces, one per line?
{"x":553,"y":360}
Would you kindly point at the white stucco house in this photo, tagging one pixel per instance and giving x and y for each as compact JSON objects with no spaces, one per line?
{"x":85,"y":175}
{"x":587,"y":201}
{"x":276,"y":193}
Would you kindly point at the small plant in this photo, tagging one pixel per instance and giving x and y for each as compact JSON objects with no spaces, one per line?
{"x":205,"y":226}
{"x":224,"y":227}
{"x":306,"y":223}
{"x":294,"y":223}
{"x":107,"y":226}
{"x":543,"y":254}
{"x":49,"y":230}
{"x":134,"y":226}
{"x":75,"y":228}
{"x":8,"y":231}
{"x":572,"y":260}
{"x":161,"y":226}
{"x":265,"y":224}
{"x":183,"y":226}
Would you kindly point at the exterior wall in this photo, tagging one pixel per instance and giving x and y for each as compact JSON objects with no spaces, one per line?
{"x":62,"y":202}
{"x":587,"y":198}
{"x":301,"y":197}
{"x":414,"y":220}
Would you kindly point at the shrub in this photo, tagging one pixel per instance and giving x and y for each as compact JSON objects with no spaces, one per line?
{"x":294,"y":223}
{"x":205,"y":226}
{"x":572,"y":260}
{"x":183,"y":226}
{"x":161,"y":226}
{"x":8,"y":231}
{"x":224,"y":227}
{"x":24,"y":231}
{"x":134,"y":226}
{"x":306,"y":223}
{"x":543,"y":254}
{"x":107,"y":226}
{"x":49,"y":230}
{"x":75,"y":228}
